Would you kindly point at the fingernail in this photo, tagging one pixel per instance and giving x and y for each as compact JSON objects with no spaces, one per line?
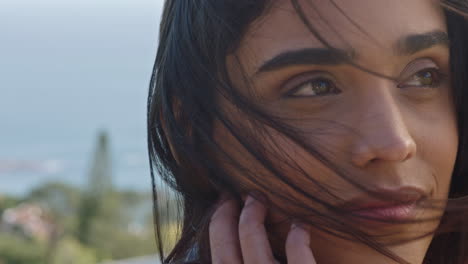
{"x":300,"y":232}
{"x":297,"y":224}
{"x":249,"y":200}
{"x":256,"y":196}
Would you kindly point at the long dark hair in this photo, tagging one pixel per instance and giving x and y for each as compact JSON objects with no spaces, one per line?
{"x":190,"y":73}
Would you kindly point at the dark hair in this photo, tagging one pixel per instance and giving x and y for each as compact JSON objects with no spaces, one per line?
{"x":190,"y":74}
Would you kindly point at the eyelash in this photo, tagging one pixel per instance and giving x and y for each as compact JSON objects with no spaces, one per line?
{"x":437,"y":75}
{"x":313,"y":81}
{"x":439,"y":78}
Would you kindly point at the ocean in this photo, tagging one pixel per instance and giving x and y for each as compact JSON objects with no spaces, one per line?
{"x":69,"y":69}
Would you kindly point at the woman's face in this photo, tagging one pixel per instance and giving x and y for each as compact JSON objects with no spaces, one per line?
{"x":396,"y":135}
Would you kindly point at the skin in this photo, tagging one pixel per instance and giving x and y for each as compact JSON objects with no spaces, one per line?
{"x":385,"y":132}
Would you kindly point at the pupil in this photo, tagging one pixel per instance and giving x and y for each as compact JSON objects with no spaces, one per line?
{"x":426,"y":78}
{"x":321,"y":86}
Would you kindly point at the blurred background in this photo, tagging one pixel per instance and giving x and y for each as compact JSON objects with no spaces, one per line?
{"x":74,"y":176}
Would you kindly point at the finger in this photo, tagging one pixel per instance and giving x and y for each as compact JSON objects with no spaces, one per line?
{"x":298,"y":246}
{"x":224,"y":238}
{"x":252,"y":234}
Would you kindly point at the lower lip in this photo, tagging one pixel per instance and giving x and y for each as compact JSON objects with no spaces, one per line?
{"x":400,"y":212}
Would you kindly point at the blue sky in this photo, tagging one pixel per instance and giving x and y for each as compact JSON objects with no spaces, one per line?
{"x":49,"y":47}
{"x":69,"y":68}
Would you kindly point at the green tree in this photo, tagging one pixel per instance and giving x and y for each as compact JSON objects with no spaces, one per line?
{"x":61,"y":201}
{"x":17,"y":250}
{"x":120,"y":230}
{"x":8,"y":202}
{"x":98,"y":189}
{"x":105,"y":214}
{"x":91,"y":224}
{"x":100,"y":176}
{"x":70,"y":251}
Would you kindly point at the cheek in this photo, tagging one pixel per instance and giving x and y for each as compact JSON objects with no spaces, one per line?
{"x":288,"y":177}
{"x":437,"y":139}
{"x":438,"y":145}
{"x":286,"y":157}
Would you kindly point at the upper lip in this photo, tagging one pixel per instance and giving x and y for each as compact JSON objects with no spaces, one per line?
{"x":389,"y":198}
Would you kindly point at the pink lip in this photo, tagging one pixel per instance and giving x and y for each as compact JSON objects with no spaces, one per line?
{"x":396,"y":204}
{"x":397,"y":212}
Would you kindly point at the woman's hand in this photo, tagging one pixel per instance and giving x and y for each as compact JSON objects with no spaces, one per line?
{"x":243,"y":239}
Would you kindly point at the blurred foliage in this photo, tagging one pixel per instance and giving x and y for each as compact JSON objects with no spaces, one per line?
{"x":122,"y":228}
{"x":60,"y":200}
{"x":89,"y":225}
{"x":8,"y":202}
{"x":70,"y":251}
{"x":17,"y":250}
{"x":98,"y":200}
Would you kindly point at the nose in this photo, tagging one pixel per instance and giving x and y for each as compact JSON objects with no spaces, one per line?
{"x":382,"y":135}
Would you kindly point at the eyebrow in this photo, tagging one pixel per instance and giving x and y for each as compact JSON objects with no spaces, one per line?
{"x":406,"y":46}
{"x":414,"y":43}
{"x":317,"y":56}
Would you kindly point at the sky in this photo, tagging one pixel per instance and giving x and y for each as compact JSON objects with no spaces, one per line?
{"x":69,"y":68}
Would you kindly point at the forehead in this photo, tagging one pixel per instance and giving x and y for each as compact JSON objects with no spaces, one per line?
{"x":368,"y":26}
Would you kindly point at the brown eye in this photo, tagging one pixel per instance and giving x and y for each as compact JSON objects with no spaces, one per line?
{"x":314,"y":87}
{"x":424,"y":78}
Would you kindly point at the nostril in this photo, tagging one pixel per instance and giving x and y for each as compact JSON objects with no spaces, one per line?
{"x":401,"y":150}
{"x":397,"y":151}
{"x":362,"y":156}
